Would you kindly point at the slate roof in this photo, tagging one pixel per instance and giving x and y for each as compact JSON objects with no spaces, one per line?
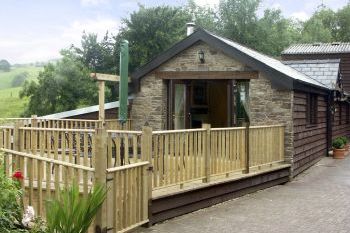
{"x":318,"y":48}
{"x":273,"y":63}
{"x":280,"y":75}
{"x":325,"y":71}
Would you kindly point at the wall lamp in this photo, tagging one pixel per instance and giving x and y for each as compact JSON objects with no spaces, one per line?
{"x":201,"y":56}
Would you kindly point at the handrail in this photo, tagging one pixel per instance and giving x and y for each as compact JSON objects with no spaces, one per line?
{"x":125,"y":132}
{"x":58,"y":162}
{"x":179,"y":131}
{"x":59,"y":130}
{"x":114,"y":169}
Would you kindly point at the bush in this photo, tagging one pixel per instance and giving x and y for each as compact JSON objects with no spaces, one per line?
{"x":10,"y":207}
{"x":338,"y":143}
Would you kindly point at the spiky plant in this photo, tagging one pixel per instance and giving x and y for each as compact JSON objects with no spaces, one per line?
{"x":72,"y":213}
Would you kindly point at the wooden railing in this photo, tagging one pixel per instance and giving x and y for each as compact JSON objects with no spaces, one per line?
{"x":178,"y":156}
{"x":228,"y":152}
{"x":266,"y":145}
{"x":128,"y":199}
{"x":44,"y":176}
{"x":134,"y":163}
{"x":123,"y":147}
{"x":39,"y":122}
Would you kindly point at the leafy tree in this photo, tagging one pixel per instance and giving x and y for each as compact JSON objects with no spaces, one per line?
{"x":343,"y":23}
{"x":239,"y":21}
{"x":150,"y":31}
{"x":5,"y":65}
{"x":204,"y":17}
{"x":60,"y":87}
{"x":315,"y":31}
{"x":276,"y":32}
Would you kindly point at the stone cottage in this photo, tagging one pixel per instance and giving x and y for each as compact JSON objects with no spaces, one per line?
{"x":206,"y":78}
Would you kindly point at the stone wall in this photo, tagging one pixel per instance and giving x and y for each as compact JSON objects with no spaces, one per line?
{"x":269,"y":106}
{"x":150,"y":102}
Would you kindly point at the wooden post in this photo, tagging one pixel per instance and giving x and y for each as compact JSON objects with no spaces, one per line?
{"x":246,"y":171}
{"x":207,"y":153}
{"x":17,"y":143}
{"x":146,"y":155}
{"x":101,"y":175}
{"x":101,"y":100}
{"x":34,"y":121}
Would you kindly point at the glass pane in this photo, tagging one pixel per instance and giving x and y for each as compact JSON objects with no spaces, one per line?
{"x":179,"y":106}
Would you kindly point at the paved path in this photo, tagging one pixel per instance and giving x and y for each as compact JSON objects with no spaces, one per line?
{"x":316,"y":201}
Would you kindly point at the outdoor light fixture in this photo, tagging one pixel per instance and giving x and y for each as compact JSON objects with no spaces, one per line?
{"x":201,"y":56}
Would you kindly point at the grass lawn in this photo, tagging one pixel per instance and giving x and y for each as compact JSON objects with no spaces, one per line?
{"x":7,"y":77}
{"x":10,"y":103}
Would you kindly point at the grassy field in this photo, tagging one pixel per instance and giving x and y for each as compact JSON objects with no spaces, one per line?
{"x":10,"y":103}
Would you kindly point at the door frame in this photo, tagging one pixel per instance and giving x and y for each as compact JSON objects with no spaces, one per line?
{"x":231,"y":118}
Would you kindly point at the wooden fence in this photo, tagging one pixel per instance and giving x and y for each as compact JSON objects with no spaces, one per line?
{"x":133,"y":163}
{"x":128,"y":199}
{"x":39,"y":122}
{"x":181,"y":156}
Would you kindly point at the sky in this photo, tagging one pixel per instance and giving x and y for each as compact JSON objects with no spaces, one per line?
{"x":36,"y":30}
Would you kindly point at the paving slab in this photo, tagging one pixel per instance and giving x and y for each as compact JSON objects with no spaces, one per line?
{"x":317,"y":200}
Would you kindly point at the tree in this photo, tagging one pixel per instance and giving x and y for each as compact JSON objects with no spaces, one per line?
{"x":60,"y":87}
{"x":150,"y":31}
{"x":5,"y":65}
{"x":276,"y":32}
{"x":343,"y":23}
{"x":238,"y":19}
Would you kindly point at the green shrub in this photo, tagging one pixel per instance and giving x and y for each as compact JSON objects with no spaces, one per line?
{"x":338,"y":143}
{"x":10,"y":199}
{"x":72,"y":213}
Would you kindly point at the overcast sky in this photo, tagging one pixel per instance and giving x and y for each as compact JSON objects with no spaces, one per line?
{"x":36,"y":30}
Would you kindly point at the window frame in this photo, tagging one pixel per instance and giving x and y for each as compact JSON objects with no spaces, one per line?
{"x":312,"y":109}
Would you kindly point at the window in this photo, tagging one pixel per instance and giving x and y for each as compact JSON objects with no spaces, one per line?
{"x":311,"y":110}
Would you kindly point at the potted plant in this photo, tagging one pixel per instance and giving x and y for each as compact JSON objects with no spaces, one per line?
{"x":338,"y":148}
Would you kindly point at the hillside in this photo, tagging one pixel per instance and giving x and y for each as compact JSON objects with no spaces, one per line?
{"x":10,"y":103}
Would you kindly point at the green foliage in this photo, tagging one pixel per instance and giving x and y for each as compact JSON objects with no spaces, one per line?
{"x":5,"y":65}
{"x":19,"y":79}
{"x":343,"y":23}
{"x":72,"y":213}
{"x":60,"y":87}
{"x":151,"y":31}
{"x":238,"y":19}
{"x":10,"y":208}
{"x":344,"y":139}
{"x":338,"y":143}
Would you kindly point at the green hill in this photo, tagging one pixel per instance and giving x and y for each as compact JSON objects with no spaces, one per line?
{"x":10,"y":103}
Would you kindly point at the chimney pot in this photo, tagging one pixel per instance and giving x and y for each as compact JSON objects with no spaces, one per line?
{"x":190,"y":28}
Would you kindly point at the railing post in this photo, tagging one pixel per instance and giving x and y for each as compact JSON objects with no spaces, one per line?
{"x":146,"y":155}
{"x":247,"y":148}
{"x":34,"y":121}
{"x":207,"y":153}
{"x":101,"y":175}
